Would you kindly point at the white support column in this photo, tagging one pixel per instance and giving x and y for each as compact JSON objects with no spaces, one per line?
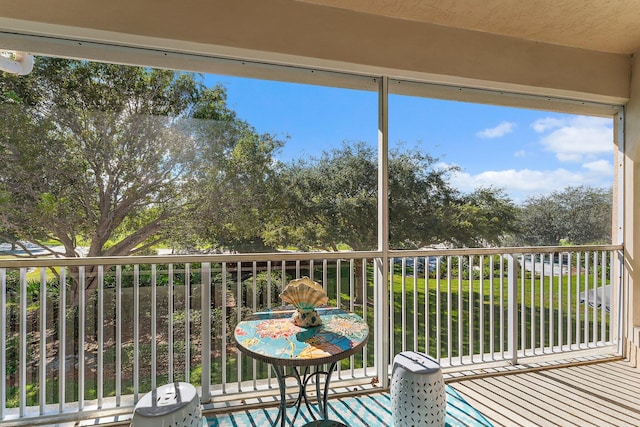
{"x":619,"y":312}
{"x":381,"y":305}
{"x":631,"y":210}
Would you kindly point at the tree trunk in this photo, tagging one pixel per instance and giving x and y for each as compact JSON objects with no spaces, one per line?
{"x":360,"y":284}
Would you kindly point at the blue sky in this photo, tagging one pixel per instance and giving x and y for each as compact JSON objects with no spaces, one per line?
{"x":525,"y":152}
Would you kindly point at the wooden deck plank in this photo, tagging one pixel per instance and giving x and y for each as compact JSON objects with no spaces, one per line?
{"x":534,"y":411}
{"x":597,"y":384}
{"x":497,"y":414}
{"x":587,"y":402}
{"x":597,"y":376}
{"x":575,"y":407}
{"x":602,"y":394}
{"x":615,"y":372}
{"x":568,"y":409}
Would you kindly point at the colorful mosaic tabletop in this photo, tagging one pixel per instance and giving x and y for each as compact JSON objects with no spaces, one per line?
{"x":272,"y":337}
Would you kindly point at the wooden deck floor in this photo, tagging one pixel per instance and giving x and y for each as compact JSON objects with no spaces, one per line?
{"x":601,"y":394}
{"x":597,"y":394}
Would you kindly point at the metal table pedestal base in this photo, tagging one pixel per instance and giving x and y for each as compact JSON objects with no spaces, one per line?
{"x":303,"y":381}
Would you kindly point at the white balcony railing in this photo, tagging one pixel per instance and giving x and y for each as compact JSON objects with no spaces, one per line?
{"x":146,"y":321}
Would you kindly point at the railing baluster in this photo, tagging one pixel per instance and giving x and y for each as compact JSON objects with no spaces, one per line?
{"x":586,"y":305}
{"x":460,"y":310}
{"x":551,"y":305}
{"x":512,"y":295}
{"x":502,"y":307}
{"x":205,"y":333}
{"x":3,"y":343}
{"x":594,"y":312}
{"x":427,"y":317}
{"x":254,"y":273}
{"x":154,"y":331}
{"x":325,"y":275}
{"x":471,"y":310}
{"x":81,"y":335}
{"x":170,"y":359}
{"x":403,"y":299}
{"x":42,"y":366}
{"x":532,"y":284}
{"x":223,"y":328}
{"x":449,"y":313}
{"x":239,"y":305}
{"x":136,"y":332}
{"x":269,"y":306}
{"x":542,"y":307}
{"x":187,"y":321}
{"x":269,"y":284}
{"x":283,"y":276}
{"x":560,"y":303}
{"x":338,"y":279}
{"x":603,"y":282}
{"x":523,"y":314}
{"x":492,"y":320}
{"x":364,"y":311}
{"x":118,"y":322}
{"x":100,"y":334}
{"x":578,"y":283}
{"x":570,"y":284}
{"x":438,"y":312}
{"x":481,"y":307}
{"x":338,"y":285}
{"x":62,"y":340}
{"x":415,"y":304}
{"x":352,"y":284}
{"x":23,"y":343}
{"x":352,"y":279}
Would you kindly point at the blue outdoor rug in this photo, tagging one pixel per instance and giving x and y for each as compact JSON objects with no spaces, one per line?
{"x":367,"y":410}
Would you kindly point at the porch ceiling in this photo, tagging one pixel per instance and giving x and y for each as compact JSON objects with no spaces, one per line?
{"x":607,"y":26}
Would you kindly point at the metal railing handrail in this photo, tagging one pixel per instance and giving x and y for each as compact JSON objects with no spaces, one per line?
{"x":42,"y":261}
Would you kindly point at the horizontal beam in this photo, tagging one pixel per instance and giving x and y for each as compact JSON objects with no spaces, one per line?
{"x":294,"y":33}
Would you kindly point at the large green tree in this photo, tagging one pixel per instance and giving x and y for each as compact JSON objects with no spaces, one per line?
{"x":332,"y":201}
{"x":576,"y":215}
{"x":120,"y":158}
{"x":327,"y":202}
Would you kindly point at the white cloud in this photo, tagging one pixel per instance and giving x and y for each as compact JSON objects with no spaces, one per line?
{"x":523,"y":183}
{"x":603,"y":167}
{"x":542,"y":125}
{"x":501,"y":130}
{"x":520,"y":153}
{"x":576,"y":139}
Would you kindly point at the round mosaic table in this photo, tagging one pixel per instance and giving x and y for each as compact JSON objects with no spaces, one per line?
{"x":272,"y":338}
